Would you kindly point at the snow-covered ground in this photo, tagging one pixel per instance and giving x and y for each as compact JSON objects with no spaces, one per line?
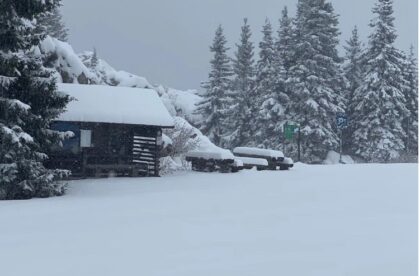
{"x":313,"y":220}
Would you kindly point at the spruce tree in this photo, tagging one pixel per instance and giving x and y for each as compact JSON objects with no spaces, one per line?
{"x":212,"y":109}
{"x":243,"y":94}
{"x":29,"y":102}
{"x":411,"y":100}
{"x":353,"y":71}
{"x":54,"y":25}
{"x":315,"y":81}
{"x":353,"y":66}
{"x":379,"y":103}
{"x":285,"y":42}
{"x":94,"y":61}
{"x":283,"y":61}
{"x":270,"y":98}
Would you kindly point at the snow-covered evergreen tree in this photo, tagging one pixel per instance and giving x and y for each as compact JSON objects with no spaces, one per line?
{"x":212,"y":109}
{"x":283,"y":61}
{"x":353,"y":71}
{"x":379,"y":103}
{"x":94,"y":61}
{"x":29,"y":102}
{"x":285,"y":42}
{"x":270,"y":99}
{"x":54,"y":25}
{"x":353,"y":66}
{"x":411,"y":99}
{"x":315,"y":81}
{"x":243,"y":94}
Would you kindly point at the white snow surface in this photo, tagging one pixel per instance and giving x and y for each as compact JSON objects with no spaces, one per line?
{"x":253,"y":161}
{"x":257,"y":151}
{"x":314,"y":220}
{"x":110,"y":104}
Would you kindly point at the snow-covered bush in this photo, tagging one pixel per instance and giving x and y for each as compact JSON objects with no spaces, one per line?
{"x":184,"y":138}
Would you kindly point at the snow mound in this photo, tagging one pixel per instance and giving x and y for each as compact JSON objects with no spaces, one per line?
{"x":288,"y":160}
{"x":204,"y":143}
{"x":109,"y":76}
{"x":180,"y":103}
{"x":334,"y":158}
{"x":61,"y":57}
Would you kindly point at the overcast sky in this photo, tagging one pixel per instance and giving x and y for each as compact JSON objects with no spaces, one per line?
{"x":167,"y":41}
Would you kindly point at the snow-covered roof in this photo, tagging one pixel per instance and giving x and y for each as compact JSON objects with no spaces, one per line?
{"x":110,"y":104}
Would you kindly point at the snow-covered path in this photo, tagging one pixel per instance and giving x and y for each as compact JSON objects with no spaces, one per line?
{"x":313,"y":220}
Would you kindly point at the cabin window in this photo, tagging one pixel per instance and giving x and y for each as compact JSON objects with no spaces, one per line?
{"x":85,"y":138}
{"x":69,"y":145}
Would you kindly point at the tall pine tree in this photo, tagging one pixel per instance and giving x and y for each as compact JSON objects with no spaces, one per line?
{"x":243,"y":93}
{"x":54,"y":25}
{"x":379,"y":103}
{"x":29,"y":102}
{"x":285,"y":42}
{"x":353,"y":71}
{"x":283,"y":61}
{"x":315,"y":81}
{"x":270,"y":97}
{"x":411,"y":99}
{"x":212,"y":109}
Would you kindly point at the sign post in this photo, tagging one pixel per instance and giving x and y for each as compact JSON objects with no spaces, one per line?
{"x":289,"y":131}
{"x":342,"y":123}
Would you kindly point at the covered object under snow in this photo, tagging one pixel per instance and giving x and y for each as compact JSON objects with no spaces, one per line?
{"x":117,"y":131}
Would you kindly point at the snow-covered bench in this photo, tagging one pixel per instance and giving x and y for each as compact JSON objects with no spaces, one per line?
{"x":249,"y":163}
{"x":204,"y":161}
{"x":273,"y":157}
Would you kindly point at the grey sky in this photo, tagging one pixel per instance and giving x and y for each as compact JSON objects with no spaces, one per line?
{"x":167,"y":41}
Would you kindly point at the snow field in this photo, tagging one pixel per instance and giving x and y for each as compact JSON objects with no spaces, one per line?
{"x":312,"y":220}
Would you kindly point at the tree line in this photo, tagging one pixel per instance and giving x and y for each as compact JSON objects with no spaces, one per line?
{"x":299,"y":77}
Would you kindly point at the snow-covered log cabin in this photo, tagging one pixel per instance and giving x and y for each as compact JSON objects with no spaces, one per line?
{"x":117,"y":130}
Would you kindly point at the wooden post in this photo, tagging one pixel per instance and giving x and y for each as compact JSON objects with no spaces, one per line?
{"x":158,"y":132}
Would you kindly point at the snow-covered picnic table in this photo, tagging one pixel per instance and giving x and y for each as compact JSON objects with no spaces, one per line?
{"x":249,"y":162}
{"x":274,"y":158}
{"x":210,"y":161}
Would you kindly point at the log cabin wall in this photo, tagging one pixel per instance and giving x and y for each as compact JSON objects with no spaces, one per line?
{"x":121,"y":149}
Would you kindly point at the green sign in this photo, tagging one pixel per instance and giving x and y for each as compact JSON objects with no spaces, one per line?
{"x":289,"y":131}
